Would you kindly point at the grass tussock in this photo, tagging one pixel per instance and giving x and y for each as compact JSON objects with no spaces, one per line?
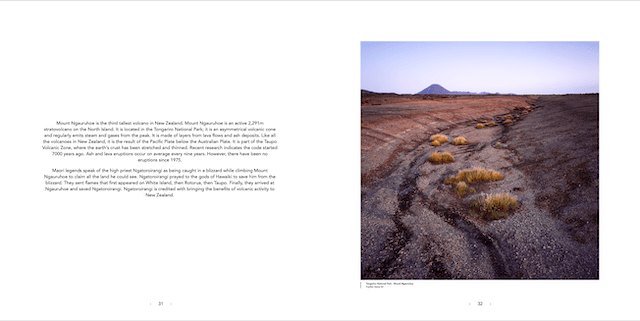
{"x":441,"y":158}
{"x":462,"y":188}
{"x":435,"y":143}
{"x":492,"y":124}
{"x":460,"y":141}
{"x":508,"y":117}
{"x":494,"y":206}
{"x":480,"y":126}
{"x":440,"y":138}
{"x":507,"y":122}
{"x":475,"y":175}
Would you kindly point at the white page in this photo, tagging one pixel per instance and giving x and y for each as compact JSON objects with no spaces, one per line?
{"x":290,"y":253}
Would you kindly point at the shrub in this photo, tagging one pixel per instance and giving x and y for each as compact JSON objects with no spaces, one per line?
{"x":460,"y":141}
{"x":494,"y":206}
{"x":440,"y":138}
{"x":435,"y":143}
{"x":441,"y":158}
{"x":492,"y":124}
{"x":462,"y":188}
{"x":507,"y":122}
{"x":508,"y":117}
{"x":475,"y":175}
{"x":479,"y":126}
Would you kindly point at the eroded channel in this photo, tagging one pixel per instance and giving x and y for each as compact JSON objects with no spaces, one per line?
{"x":429,"y":233}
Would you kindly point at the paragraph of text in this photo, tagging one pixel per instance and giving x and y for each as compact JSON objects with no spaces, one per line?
{"x":159,"y":182}
{"x":160,"y":141}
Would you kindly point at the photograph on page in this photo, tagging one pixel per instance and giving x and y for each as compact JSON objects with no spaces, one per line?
{"x":480,"y":160}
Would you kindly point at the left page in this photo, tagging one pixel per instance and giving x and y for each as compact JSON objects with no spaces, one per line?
{"x":164,"y":160}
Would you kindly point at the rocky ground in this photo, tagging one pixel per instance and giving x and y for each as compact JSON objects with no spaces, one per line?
{"x":414,"y":226}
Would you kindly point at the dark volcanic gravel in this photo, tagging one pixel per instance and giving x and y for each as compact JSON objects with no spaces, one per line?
{"x":557,"y":148}
{"x":415,"y":227}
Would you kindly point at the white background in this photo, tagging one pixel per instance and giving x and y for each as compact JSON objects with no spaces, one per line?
{"x":294,"y":253}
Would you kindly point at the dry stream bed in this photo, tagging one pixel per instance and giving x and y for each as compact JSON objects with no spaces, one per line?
{"x":415,"y":226}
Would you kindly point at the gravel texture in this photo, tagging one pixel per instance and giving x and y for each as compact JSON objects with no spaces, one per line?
{"x":414,"y":226}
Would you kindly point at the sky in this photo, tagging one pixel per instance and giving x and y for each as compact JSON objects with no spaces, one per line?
{"x":504,"y":67}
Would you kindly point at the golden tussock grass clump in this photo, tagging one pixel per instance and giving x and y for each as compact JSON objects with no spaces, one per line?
{"x":525,"y":112}
{"x":440,"y":138}
{"x":492,"y":124}
{"x":435,"y":143}
{"x":494,"y":206}
{"x":508,"y":117}
{"x":475,"y":175}
{"x":507,"y":122}
{"x":479,"y":126}
{"x":441,"y":158}
{"x":462,"y":188}
{"x":460,"y":141}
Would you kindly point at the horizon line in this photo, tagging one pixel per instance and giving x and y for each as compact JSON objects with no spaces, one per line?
{"x":489,"y":93}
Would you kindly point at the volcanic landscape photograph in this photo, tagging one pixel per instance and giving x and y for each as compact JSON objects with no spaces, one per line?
{"x":479,"y":160}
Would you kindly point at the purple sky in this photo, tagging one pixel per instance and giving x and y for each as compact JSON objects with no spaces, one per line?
{"x":505,"y":67}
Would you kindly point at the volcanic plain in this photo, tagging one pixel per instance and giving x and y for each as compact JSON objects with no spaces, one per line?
{"x":414,"y":225}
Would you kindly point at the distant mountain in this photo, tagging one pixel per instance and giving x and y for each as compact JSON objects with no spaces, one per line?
{"x":436,"y":89}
